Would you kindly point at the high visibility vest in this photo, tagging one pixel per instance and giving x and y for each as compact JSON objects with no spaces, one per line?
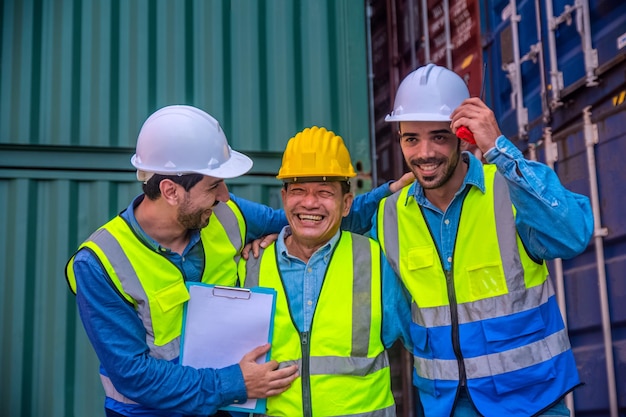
{"x":153,"y":285}
{"x":492,"y":322}
{"x":343,"y":365}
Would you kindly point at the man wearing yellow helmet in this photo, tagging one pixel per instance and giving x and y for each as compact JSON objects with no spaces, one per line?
{"x":334,"y":288}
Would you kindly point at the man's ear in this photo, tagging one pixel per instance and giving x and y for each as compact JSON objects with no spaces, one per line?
{"x":169,"y":191}
{"x":348,"y":198}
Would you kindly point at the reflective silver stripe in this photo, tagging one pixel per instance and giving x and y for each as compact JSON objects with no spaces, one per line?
{"x":361,"y":295}
{"x":337,"y":365}
{"x":486,"y":308}
{"x":229,"y":221}
{"x":253,"y":272}
{"x":391,"y":244}
{"x":383,"y":412}
{"x":495,"y":363}
{"x":507,"y":235}
{"x":111,"y":392}
{"x":132,"y":286}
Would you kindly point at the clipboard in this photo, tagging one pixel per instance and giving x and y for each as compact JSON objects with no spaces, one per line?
{"x":221,"y":324}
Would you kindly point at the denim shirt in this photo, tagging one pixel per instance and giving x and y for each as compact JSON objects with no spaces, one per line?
{"x":551,"y":221}
{"x":303,"y":284}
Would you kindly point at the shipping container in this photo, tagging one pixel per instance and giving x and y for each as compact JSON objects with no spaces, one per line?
{"x":554,"y":72}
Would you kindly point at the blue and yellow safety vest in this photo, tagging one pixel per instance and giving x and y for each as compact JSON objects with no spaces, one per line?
{"x":343,"y":365}
{"x":492,"y":323}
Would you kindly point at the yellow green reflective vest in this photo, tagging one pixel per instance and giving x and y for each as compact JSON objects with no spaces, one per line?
{"x":343,"y":365}
{"x":152,"y":284}
{"x":492,"y":323}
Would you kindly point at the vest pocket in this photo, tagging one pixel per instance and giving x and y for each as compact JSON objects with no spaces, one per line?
{"x":172,"y":296}
{"x":537,"y":376}
{"x":519,"y":356}
{"x":420,"y":257}
{"x":486,"y":280}
{"x":423,"y":361}
{"x":167,"y":312}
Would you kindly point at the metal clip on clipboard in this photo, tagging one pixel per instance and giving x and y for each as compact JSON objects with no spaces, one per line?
{"x":231,"y":292}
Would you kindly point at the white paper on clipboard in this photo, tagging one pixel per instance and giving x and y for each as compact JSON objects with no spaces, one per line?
{"x":221,"y":324}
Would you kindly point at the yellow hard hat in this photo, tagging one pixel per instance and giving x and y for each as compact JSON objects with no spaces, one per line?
{"x":316,"y":154}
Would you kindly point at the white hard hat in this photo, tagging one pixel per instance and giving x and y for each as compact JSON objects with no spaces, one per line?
{"x":430,"y":93}
{"x":178,"y":140}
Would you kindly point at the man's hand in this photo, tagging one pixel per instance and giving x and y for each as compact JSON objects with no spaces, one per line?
{"x":401,"y":182}
{"x":265,"y":380}
{"x":256,"y":245}
{"x":478,"y":118}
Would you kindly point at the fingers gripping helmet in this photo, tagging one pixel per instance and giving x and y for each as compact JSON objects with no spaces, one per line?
{"x":177,"y":140}
{"x":430,"y":93}
{"x":316,"y":154}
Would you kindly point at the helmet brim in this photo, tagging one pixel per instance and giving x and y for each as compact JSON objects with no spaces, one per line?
{"x":415,"y":117}
{"x":237,"y":165}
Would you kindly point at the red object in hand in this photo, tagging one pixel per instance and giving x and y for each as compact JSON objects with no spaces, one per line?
{"x":464,"y":133}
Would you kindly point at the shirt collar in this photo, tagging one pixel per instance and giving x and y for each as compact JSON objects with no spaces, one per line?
{"x":326,"y":250}
{"x":475,"y":176}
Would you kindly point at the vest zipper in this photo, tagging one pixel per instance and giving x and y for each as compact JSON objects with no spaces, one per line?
{"x":454,"y":318}
{"x":305,"y":374}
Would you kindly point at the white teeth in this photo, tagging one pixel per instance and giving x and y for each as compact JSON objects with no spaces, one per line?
{"x":429,"y":167}
{"x":309,"y":217}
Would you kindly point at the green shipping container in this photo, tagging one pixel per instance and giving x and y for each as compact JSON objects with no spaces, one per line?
{"x":78,"y":78}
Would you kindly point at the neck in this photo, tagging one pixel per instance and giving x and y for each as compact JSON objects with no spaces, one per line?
{"x":442,"y":196}
{"x":301,"y":249}
{"x":158,"y":220}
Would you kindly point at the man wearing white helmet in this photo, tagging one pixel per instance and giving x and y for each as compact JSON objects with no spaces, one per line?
{"x":470,"y":241}
{"x":129,"y":276}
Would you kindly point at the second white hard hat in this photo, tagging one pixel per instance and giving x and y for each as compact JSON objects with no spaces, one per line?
{"x":430,"y":93}
{"x":177,"y":140}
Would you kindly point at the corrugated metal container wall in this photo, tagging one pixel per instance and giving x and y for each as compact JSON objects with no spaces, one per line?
{"x":77,"y":80}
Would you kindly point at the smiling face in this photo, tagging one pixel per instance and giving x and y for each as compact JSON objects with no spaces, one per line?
{"x":432,"y":152}
{"x":314,"y":211}
{"x":196,"y":208}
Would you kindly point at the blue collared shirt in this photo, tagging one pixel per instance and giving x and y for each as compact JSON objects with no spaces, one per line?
{"x":552,"y":221}
{"x":303,"y":284}
{"x":118,"y":336}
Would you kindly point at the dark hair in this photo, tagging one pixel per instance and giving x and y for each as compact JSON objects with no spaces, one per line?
{"x":345,"y":186}
{"x":151,"y":187}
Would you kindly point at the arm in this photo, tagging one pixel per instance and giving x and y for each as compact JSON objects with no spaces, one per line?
{"x":396,"y":308}
{"x":552,"y":221}
{"x":364,"y":206}
{"x":262,"y":220}
{"x":119,"y":339}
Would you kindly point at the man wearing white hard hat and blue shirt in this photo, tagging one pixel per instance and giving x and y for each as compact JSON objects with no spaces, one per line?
{"x":470,"y":241}
{"x":129,"y":276}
